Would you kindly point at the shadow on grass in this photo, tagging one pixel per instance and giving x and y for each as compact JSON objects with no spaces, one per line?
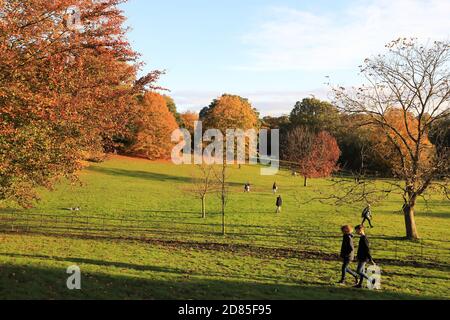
{"x":32,"y":282}
{"x":135,"y":267}
{"x":254,"y":250}
{"x":441,"y":215}
{"x":145,"y":175}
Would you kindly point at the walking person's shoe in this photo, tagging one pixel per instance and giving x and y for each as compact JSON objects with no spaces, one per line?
{"x":341,"y":282}
{"x":358,"y":286}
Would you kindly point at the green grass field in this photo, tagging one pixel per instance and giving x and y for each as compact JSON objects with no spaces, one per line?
{"x":139,"y":235}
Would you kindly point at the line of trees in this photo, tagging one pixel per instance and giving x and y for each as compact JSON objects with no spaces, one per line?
{"x":66,"y":93}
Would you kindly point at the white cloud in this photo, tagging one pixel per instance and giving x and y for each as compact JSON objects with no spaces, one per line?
{"x":290,"y":39}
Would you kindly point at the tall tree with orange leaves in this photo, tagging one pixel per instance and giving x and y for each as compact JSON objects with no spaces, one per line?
{"x":230,"y":112}
{"x":154,"y":127}
{"x":67,"y":82}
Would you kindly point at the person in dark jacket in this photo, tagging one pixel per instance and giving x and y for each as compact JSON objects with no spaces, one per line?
{"x":275,"y":188}
{"x":367,"y":216}
{"x":347,"y":253}
{"x":363,"y":255}
{"x":279,"y":204}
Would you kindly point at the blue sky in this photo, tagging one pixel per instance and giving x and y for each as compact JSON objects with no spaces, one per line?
{"x":273,"y":52}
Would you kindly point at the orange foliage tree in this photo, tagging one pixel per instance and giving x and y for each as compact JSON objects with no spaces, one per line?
{"x":64,"y":88}
{"x":402,"y":136}
{"x":229,"y":112}
{"x":154,"y":127}
{"x":188,"y":119}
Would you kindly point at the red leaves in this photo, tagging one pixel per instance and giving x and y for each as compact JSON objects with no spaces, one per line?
{"x":323,"y":157}
{"x":315,"y":155}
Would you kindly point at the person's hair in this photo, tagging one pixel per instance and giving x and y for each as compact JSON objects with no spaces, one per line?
{"x":347,"y":229}
{"x":360,"y":228}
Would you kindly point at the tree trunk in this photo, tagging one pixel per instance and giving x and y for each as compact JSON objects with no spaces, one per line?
{"x":306,"y":182}
{"x":223,"y":217}
{"x":410,"y":222}
{"x":203,"y":207}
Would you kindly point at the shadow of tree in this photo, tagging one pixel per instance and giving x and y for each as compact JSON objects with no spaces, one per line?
{"x":145,"y":175}
{"x":32,"y":282}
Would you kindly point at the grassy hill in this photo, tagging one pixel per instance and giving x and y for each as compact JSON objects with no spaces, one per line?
{"x":140,"y":235}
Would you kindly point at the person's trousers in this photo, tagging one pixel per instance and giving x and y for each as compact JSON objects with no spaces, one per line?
{"x":346,"y":269}
{"x":367,"y":219}
{"x":362,"y":271}
{"x":278,"y":209}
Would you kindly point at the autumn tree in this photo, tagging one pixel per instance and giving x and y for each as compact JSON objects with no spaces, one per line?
{"x":154,"y":127}
{"x":406,"y":93}
{"x":359,"y":148}
{"x":188,"y":119}
{"x":230,"y":112}
{"x":64,"y":88}
{"x":395,"y":118}
{"x":315,"y":155}
{"x":296,"y":145}
{"x":173,"y":109}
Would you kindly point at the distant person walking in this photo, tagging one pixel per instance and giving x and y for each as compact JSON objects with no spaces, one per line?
{"x":247,"y":187}
{"x":347,"y":253}
{"x":367,"y":216}
{"x":363,"y":255}
{"x":275,"y":188}
{"x":279,"y":204}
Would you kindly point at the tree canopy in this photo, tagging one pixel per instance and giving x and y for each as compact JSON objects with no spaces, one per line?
{"x":316,"y":114}
{"x":63,"y":90}
{"x":230,"y":112}
{"x":154,"y":127}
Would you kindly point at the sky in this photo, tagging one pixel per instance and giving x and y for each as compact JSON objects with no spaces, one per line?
{"x":273,"y":52}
